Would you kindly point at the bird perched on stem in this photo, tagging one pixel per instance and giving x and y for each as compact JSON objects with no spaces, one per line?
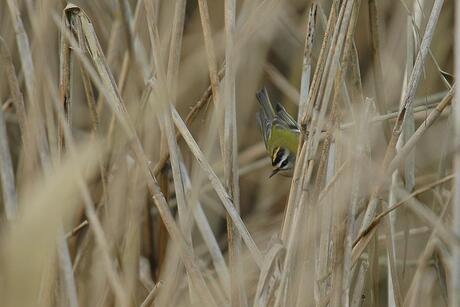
{"x":280,"y":133}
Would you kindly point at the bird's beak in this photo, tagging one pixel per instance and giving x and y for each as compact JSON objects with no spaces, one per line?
{"x":274,"y":172}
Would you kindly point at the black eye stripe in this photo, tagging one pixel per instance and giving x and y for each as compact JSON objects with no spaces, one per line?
{"x":284,"y":163}
{"x":279,"y":156}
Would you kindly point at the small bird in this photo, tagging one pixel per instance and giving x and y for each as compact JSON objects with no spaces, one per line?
{"x":280,"y":133}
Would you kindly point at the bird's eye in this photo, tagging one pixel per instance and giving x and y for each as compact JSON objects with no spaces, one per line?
{"x":284,"y":163}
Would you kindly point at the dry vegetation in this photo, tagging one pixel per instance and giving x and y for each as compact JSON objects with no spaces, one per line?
{"x":133,"y":172}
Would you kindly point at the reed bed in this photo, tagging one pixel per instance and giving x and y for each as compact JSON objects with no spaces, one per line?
{"x":133,"y":172}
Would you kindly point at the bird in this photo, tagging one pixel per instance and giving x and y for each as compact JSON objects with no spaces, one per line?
{"x":280,"y":133}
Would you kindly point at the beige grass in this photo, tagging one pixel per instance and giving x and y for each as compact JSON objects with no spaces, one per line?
{"x":133,"y":172}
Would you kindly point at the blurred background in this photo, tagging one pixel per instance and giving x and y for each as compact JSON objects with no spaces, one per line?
{"x":86,"y":129}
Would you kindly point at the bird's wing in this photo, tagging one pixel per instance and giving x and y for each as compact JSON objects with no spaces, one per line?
{"x":265,"y":126}
{"x":285,"y":117}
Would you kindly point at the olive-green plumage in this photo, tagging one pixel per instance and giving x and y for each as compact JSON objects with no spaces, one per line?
{"x":284,"y":137}
{"x":280,"y":133}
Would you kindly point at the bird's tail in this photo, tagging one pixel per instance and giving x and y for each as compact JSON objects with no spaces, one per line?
{"x":267,"y":107}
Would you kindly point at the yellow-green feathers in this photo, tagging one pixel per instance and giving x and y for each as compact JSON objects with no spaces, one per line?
{"x":282,"y":137}
{"x":280,"y":133}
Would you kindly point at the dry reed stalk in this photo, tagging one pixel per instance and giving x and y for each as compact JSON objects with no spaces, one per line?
{"x":265,"y":290}
{"x":22,"y":41}
{"x":312,"y":92}
{"x":407,"y":101}
{"x":444,"y":232}
{"x":407,"y":175}
{"x":454,"y":298}
{"x":243,"y":33}
{"x":381,"y":102}
{"x":159,"y":60}
{"x":378,"y":218}
{"x":306,"y":67}
{"x":40,"y":142}
{"x":220,"y":190}
{"x":355,"y":199}
{"x":208,"y":236}
{"x":282,"y":83}
{"x":162,"y":92}
{"x":25,"y":55}
{"x":15,"y":90}
{"x":342,"y":273}
{"x":357,"y":299}
{"x":113,"y":98}
{"x":230,"y":154}
{"x":7,"y":173}
{"x":151,"y":296}
{"x":19,"y":266}
{"x":135,"y":54}
{"x":310,"y":145}
{"x":95,"y":224}
{"x":340,"y":37}
{"x":201,"y":104}
{"x":210,"y":53}
{"x":432,"y":243}
{"x":427,"y":123}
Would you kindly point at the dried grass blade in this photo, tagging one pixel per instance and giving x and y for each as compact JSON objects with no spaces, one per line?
{"x":264,"y":292}
{"x":359,"y":285}
{"x":7,"y":173}
{"x":454,"y":295}
{"x":306,"y":67}
{"x":208,"y":236}
{"x":407,"y":101}
{"x":109,"y":89}
{"x":238,"y":295}
{"x":17,"y":243}
{"x":377,"y":64}
{"x":218,"y":187}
